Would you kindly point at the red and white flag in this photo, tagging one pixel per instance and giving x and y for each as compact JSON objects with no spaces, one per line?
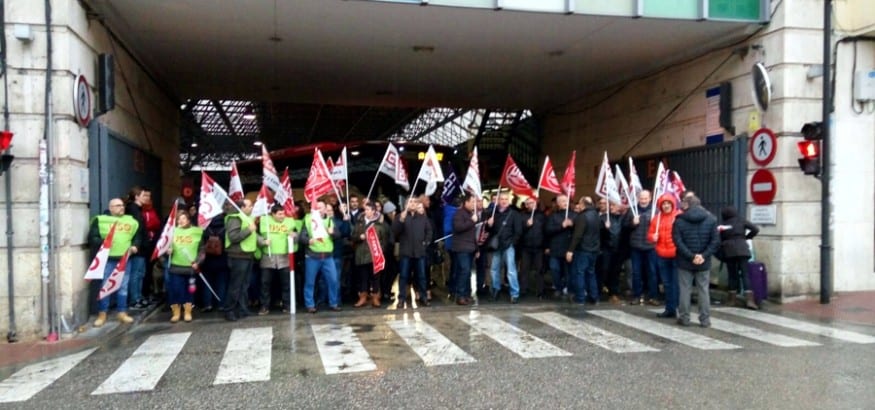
{"x":659,"y":185}
{"x":270,"y":177}
{"x":512,"y":177}
{"x":319,"y":181}
{"x":376,"y":249}
{"x":262,"y":203}
{"x":606,"y":186}
{"x":623,"y":187}
{"x":235,"y":187}
{"x":98,"y":264}
{"x":568,"y":177}
{"x":339,"y":172}
{"x":284,"y":196}
{"x":548,"y":180}
{"x":213,"y":197}
{"x":634,"y":182}
{"x":116,"y":278}
{"x":401,"y":178}
{"x":676,"y":184}
{"x":166,"y":238}
{"x":392,"y":166}
{"x":430,"y":171}
{"x":472,"y":178}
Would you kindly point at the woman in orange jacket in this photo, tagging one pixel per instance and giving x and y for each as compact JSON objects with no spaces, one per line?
{"x":660,"y":234}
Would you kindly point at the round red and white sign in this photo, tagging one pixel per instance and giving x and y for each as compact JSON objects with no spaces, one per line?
{"x":763,"y":146}
{"x":763,"y":187}
{"x":82,"y":100}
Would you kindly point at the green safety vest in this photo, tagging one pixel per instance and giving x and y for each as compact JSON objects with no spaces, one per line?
{"x":124,"y":232}
{"x":250,"y":244}
{"x":323,"y":246}
{"x":278,"y":234}
{"x":186,"y":242}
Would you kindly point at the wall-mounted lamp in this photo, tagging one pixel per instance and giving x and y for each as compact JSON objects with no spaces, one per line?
{"x":23,"y":32}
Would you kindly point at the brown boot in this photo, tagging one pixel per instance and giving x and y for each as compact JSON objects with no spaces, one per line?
{"x":375,"y":299}
{"x":363,"y":299}
{"x":175,"y":317}
{"x":730,"y":298}
{"x":187,"y":314}
{"x":750,"y":301}
{"x":124,"y":318}
{"x":101,"y":319}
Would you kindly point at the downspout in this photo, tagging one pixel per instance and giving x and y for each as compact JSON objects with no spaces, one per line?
{"x":46,"y":205}
{"x":11,"y":336}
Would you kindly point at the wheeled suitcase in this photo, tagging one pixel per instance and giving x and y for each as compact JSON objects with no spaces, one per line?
{"x":759,"y":281}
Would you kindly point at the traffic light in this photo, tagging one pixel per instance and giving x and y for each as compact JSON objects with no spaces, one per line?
{"x":810,"y":148}
{"x":5,"y":158}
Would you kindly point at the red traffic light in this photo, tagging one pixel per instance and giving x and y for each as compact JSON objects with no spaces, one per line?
{"x":809,"y":149}
{"x":5,"y":140}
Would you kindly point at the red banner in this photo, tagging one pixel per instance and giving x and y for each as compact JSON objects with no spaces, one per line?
{"x":548,"y":181}
{"x":568,"y":177}
{"x":116,"y":278}
{"x":319,"y":182}
{"x":375,"y":248}
{"x":512,"y":177}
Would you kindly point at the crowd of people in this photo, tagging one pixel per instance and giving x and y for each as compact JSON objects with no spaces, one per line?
{"x":588,"y":252}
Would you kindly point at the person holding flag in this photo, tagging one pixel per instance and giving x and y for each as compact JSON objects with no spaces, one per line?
{"x":642,"y":252}
{"x":186,"y":254}
{"x":505,"y":228}
{"x":318,"y":236}
{"x":367,"y":253}
{"x":275,"y":229}
{"x":557,"y":231}
{"x":240,"y":244}
{"x":126,"y":240}
{"x":413,"y":231}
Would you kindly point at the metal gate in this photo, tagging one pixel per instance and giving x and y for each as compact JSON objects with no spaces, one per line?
{"x":717,"y":173}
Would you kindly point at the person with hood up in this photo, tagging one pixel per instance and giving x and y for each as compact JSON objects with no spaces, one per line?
{"x":734,"y":233}
{"x":659,"y":233}
{"x":696,"y":240}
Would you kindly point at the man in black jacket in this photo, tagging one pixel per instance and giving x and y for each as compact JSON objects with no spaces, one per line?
{"x":558,"y":234}
{"x":641,"y":251}
{"x":413,"y":230}
{"x":464,"y":246}
{"x":507,"y":225}
{"x":696,"y":238}
{"x":532,"y":248}
{"x":583,"y":251}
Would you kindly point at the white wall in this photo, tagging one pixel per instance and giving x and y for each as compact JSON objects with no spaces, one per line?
{"x":790,"y":44}
{"x":76,"y":42}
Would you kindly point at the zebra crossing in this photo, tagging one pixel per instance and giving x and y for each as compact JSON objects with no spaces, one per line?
{"x":247,"y":353}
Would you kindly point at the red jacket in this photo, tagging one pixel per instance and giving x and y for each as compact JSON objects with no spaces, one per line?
{"x":664,"y":220}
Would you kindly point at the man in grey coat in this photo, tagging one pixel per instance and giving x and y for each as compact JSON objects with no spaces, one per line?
{"x":695,"y":235}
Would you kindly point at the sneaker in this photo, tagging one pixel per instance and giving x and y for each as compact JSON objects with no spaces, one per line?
{"x":514,"y":301}
{"x":666,"y":315}
{"x":684,"y":323}
{"x":705,"y":323}
{"x":654,"y":302}
{"x":264,"y":311}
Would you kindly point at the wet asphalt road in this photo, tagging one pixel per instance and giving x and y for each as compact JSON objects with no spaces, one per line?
{"x":835,"y":374}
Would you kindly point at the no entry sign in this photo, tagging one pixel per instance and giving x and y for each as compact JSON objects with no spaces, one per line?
{"x":763,"y":187}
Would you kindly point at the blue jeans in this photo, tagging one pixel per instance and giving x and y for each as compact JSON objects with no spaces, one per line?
{"x":508,"y":256}
{"x":462,"y":262}
{"x":137,"y":266}
{"x":559,"y":270}
{"x":647,"y":258}
{"x":583,"y":280}
{"x":325,"y":266}
{"x":121,"y":295}
{"x":404,"y":277}
{"x":177,"y":290}
{"x":668,"y":273}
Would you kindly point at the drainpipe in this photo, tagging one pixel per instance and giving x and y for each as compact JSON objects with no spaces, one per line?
{"x":825,"y":210}
{"x":46,"y":205}
{"x":12,"y":335}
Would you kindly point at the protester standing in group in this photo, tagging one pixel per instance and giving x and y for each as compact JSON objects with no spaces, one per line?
{"x":735,"y":231}
{"x":276,"y":229}
{"x":660,"y":234}
{"x":318,"y":235}
{"x":366,"y":280}
{"x":186,"y":254}
{"x":413,"y":231}
{"x":696,"y":239}
{"x":125,"y":239}
{"x":506,"y":227}
{"x":558,"y":229}
{"x":240,"y":244}
{"x":464,"y":245}
{"x":137,"y":197}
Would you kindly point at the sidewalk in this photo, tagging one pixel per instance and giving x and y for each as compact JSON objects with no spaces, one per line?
{"x":851,"y":307}
{"x":22,"y":353}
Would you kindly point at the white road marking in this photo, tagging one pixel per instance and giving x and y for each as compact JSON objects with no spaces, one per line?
{"x":513,"y":338}
{"x":664,"y":331}
{"x":591,"y":334}
{"x":755,"y":334}
{"x":247,"y":357}
{"x":146,"y":366}
{"x":32,"y":379}
{"x":801,"y":326}
{"x":341,"y":350}
{"x":433,"y":347}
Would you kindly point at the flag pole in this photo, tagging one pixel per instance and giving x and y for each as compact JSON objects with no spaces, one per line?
{"x":379,"y":167}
